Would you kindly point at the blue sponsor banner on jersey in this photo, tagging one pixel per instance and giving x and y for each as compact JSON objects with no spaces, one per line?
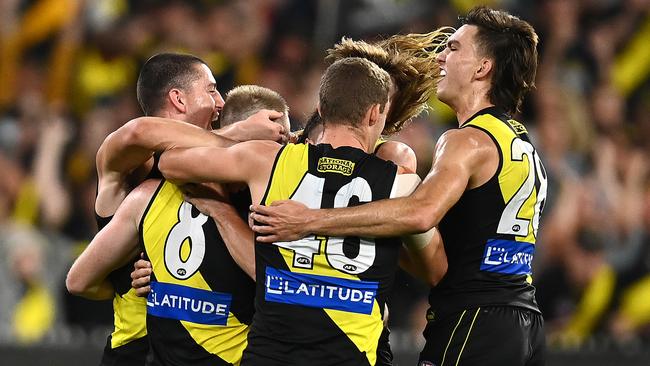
{"x":178,"y":302}
{"x":320,"y":291}
{"x":508,"y":257}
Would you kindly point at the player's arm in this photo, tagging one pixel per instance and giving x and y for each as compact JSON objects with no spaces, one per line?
{"x":399,"y":153}
{"x":239,"y":163}
{"x":458,"y":154}
{"x":129,"y":151}
{"x":236,"y":233}
{"x":259,"y":126}
{"x":111,"y":248}
{"x":134,"y":143}
{"x":239,"y":238}
{"x":427,"y":262}
{"x":422,"y":255}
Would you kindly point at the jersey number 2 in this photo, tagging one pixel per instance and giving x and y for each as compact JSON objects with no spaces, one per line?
{"x":510,"y":222}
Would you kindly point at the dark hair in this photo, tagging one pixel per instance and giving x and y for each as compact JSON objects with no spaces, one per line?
{"x":512,"y":45}
{"x":161,"y":73}
{"x":246,"y":100}
{"x":351,"y":86}
{"x":312,"y":123}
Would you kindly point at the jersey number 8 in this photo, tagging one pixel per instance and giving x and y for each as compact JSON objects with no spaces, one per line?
{"x":187,"y":228}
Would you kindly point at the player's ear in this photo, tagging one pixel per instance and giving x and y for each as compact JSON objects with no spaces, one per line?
{"x":484,"y":68}
{"x":177,"y":99}
{"x":373,"y":114}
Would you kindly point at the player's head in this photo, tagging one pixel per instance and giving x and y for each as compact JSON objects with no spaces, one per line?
{"x":411,"y":62}
{"x":245,"y":100}
{"x":355,"y":92}
{"x":179,"y":86}
{"x":313,"y":130}
{"x":493,"y":50}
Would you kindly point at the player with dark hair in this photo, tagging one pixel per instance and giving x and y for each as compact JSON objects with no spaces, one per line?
{"x":193,"y":258}
{"x":169,"y":85}
{"x":486,"y":191}
{"x":314,"y":301}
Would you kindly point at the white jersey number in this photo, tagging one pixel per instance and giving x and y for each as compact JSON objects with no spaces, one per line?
{"x":511,"y":222}
{"x":187,"y":228}
{"x":310,"y":193}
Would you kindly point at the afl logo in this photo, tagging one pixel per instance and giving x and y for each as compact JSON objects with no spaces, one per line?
{"x":304,"y":260}
{"x":350,"y":267}
{"x":516,"y":228}
{"x":181,"y":271}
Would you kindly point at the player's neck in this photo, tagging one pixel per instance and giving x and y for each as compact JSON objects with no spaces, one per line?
{"x":466,"y":109}
{"x":342,"y":135}
{"x":473,"y":98}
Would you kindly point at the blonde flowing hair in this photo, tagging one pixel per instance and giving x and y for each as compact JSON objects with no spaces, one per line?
{"x":411,"y":62}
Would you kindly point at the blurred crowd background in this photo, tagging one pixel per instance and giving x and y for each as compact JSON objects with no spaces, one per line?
{"x":67,"y":79}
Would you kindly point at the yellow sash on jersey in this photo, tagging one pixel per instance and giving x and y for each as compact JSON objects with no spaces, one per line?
{"x":363,"y":330}
{"x":227,"y":342}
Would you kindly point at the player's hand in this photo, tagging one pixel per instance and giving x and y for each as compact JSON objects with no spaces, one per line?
{"x":261,"y":126}
{"x":282,"y":221}
{"x":141,"y":277}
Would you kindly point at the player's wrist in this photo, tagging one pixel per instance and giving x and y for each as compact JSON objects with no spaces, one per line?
{"x":311,"y":222}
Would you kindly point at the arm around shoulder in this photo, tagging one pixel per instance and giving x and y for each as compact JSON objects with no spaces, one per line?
{"x":242,"y":162}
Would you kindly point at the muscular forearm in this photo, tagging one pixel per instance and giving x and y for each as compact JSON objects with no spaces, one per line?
{"x":394,"y":217}
{"x":232,"y":132}
{"x":135,"y":142}
{"x":238,"y":237}
{"x":77,"y":285}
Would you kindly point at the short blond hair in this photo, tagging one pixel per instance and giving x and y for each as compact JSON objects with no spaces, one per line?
{"x":245,"y":100}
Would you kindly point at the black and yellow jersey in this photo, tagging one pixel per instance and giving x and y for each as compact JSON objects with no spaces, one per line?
{"x":128,"y":343}
{"x":320,"y":300}
{"x":201,"y":302}
{"x":380,"y":141}
{"x":490,"y":234}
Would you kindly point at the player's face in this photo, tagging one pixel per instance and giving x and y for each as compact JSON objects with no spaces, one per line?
{"x":458,"y":62}
{"x":204,"y":100}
